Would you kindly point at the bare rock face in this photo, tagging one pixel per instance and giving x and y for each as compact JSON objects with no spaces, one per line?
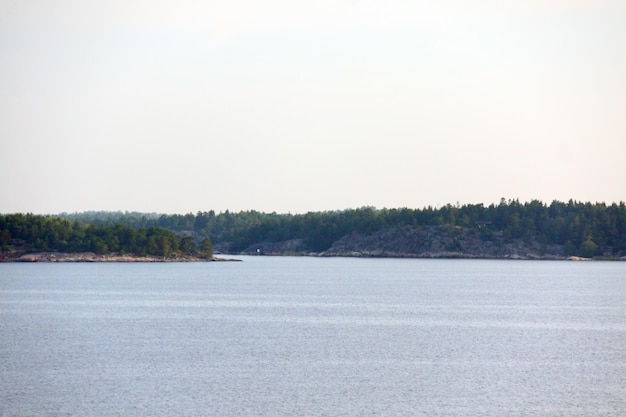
{"x":438,"y":242}
{"x":443,"y":241}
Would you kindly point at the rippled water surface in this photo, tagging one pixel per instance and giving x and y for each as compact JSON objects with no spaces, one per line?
{"x":314,"y":337}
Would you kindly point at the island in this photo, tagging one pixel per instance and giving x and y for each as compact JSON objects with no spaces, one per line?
{"x":508,"y":230}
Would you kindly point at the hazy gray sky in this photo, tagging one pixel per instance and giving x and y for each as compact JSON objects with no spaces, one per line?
{"x":291,"y":106}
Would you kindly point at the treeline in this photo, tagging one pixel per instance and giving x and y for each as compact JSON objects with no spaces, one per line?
{"x":204,"y":224}
{"x":47,"y":233}
{"x":581,"y":228}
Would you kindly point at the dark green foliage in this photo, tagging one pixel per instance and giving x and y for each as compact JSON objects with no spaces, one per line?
{"x":554,"y":224}
{"x":573,"y":225}
{"x":206,"y":249}
{"x":5,"y":239}
{"x":588,"y":248}
{"x":45,"y":233}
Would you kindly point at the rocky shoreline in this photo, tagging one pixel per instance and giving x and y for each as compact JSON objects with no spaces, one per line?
{"x":93,"y":257}
{"x":89,"y":257}
{"x":432,"y":242}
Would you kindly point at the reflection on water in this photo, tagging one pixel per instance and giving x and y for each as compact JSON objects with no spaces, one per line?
{"x":319,"y":337}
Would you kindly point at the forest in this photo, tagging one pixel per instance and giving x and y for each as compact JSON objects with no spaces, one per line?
{"x":35,"y":233}
{"x":580,"y":228}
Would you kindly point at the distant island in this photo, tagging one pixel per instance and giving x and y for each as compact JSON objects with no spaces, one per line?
{"x":35,"y":238}
{"x":508,"y":230}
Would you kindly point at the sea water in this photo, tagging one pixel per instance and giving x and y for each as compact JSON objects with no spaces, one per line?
{"x":297,"y":336}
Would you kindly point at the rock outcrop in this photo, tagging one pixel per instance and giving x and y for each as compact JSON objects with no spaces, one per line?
{"x":420,"y":242}
{"x":439,"y":242}
{"x":92,"y":257}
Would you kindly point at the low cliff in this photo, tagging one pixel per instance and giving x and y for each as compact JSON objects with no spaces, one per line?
{"x":440,"y":242}
{"x":421,"y":242}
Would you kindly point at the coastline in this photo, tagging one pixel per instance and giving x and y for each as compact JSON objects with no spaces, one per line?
{"x":424,"y":255}
{"x":93,"y":257}
{"x":90,"y":257}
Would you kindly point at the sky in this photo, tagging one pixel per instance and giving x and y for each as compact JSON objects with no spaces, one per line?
{"x":291,"y":106}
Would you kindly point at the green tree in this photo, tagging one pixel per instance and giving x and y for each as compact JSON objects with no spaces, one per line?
{"x":187,"y":245}
{"x":588,"y":249}
{"x":5,"y":239}
{"x":206,"y":249}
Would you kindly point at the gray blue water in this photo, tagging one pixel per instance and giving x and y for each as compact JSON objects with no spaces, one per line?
{"x":314,"y":337}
